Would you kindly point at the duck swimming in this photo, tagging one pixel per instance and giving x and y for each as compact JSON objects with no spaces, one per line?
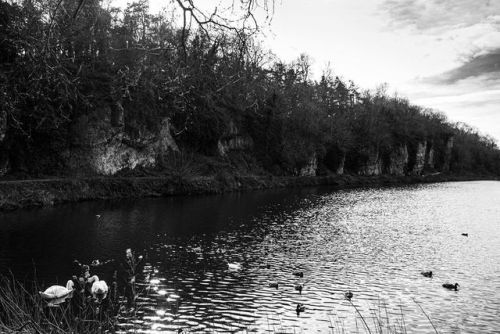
{"x":450,"y":286}
{"x":465,"y":234}
{"x":274,"y":285}
{"x":299,"y":288}
{"x":348,"y":295}
{"x":427,"y":273}
{"x":298,"y":274}
{"x":300,"y":308}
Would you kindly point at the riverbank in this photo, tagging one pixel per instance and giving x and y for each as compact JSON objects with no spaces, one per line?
{"x":18,"y":194}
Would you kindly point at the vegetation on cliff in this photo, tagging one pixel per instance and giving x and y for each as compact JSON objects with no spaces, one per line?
{"x":65,"y":66}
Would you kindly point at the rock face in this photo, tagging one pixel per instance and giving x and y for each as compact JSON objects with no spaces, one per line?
{"x":398,"y":161}
{"x":4,"y":164}
{"x":447,"y":154}
{"x":419,"y":158}
{"x":233,"y":140}
{"x":311,"y":167}
{"x":430,"y":160}
{"x":105,"y":149}
{"x":372,"y":165}
{"x":4,"y":160}
{"x":340,"y":168}
{"x":3,"y":125}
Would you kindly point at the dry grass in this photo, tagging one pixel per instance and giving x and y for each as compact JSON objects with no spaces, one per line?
{"x":24,"y":311}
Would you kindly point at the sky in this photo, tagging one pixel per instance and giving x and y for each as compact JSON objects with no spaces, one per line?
{"x":441,"y":54}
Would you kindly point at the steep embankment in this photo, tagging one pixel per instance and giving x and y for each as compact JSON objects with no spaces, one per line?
{"x":36,"y":193}
{"x":102,"y":150}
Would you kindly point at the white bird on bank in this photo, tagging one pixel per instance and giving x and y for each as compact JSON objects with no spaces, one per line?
{"x":57,"y":291}
{"x":99,"y":289}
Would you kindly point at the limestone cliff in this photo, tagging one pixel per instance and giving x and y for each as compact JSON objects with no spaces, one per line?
{"x":419,"y":165}
{"x":372,"y":164}
{"x":398,"y":161}
{"x":101,"y":148}
{"x":233,"y":140}
{"x":4,"y":161}
{"x":447,"y":154}
{"x":310,"y":168}
{"x":340,"y":167}
{"x":3,"y":125}
{"x":430,"y":158}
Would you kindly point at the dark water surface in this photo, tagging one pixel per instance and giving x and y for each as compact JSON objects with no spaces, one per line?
{"x":374,"y":242}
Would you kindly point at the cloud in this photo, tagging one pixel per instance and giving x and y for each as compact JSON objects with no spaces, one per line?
{"x":474,"y":100}
{"x":459,"y":73}
{"x":439,"y":14}
{"x":487,"y":64}
{"x":479,"y":109}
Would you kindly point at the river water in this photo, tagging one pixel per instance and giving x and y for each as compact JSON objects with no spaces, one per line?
{"x":373,"y":242}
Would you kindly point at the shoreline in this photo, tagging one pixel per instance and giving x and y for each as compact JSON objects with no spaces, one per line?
{"x":22,"y":194}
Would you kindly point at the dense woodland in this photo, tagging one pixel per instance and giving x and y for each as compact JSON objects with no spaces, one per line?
{"x":63,"y":59}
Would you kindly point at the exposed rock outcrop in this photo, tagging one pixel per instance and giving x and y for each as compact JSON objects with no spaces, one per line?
{"x":311,"y":167}
{"x":340,"y":167}
{"x":4,"y":165}
{"x":430,"y":159}
{"x":3,"y":125}
{"x":419,"y":165}
{"x":103,"y":147}
{"x":4,"y":159}
{"x":447,"y":154}
{"x":372,"y":164}
{"x":233,"y":140}
{"x":398,"y":161}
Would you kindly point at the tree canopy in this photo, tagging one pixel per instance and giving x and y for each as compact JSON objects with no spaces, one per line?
{"x":61,"y":59}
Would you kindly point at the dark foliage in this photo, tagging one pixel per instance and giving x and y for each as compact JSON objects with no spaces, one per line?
{"x":60,"y":61}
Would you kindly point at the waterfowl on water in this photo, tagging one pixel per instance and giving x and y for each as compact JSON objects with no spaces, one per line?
{"x":274,"y":285}
{"x":298,"y":274}
{"x":265,"y":266}
{"x":348,"y":295}
{"x":427,"y":273}
{"x":465,"y":234}
{"x":299,"y":288}
{"x":300,"y":308}
{"x":234,"y":266}
{"x":450,"y":286}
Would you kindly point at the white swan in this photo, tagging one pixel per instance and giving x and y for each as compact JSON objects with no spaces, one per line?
{"x":57,"y":291}
{"x":99,"y":289}
{"x":234,"y":266}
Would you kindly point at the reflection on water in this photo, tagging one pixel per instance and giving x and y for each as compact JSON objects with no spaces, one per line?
{"x":374,"y":242}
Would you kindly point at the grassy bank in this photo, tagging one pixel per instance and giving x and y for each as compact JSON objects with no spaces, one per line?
{"x":22,"y":310}
{"x":45,"y":192}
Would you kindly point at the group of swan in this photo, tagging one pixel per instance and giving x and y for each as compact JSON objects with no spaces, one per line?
{"x":57,"y":294}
